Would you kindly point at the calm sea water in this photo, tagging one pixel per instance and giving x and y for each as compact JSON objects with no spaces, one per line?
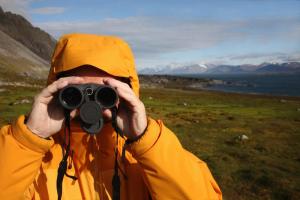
{"x":271,"y":84}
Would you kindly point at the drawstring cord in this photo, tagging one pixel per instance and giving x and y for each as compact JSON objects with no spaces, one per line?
{"x":116,"y":183}
{"x":62,"y":169}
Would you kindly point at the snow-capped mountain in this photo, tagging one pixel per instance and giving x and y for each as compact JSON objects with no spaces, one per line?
{"x":179,"y":69}
{"x":289,"y":67}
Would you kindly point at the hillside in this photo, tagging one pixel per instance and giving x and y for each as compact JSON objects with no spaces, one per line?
{"x":17,"y":61}
{"x":35,"y":39}
{"x":25,"y":50}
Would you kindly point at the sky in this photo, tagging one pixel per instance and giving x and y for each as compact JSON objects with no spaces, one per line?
{"x":177,"y":33}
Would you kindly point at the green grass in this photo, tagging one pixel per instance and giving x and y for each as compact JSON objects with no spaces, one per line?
{"x":10,"y":107}
{"x":208,"y":123}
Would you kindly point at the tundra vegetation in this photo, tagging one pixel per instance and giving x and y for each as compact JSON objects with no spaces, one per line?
{"x":250,"y":142}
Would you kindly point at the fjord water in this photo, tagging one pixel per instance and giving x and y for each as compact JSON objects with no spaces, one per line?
{"x":270,"y":84}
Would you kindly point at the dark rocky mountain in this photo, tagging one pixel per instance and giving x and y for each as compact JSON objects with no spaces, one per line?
{"x":17,"y":61}
{"x":25,"y":50}
{"x":35,"y":39}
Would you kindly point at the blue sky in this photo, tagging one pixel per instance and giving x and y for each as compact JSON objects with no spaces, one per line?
{"x":174,"y":33}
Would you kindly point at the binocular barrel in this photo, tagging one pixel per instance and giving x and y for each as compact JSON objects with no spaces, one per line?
{"x":72,"y":96}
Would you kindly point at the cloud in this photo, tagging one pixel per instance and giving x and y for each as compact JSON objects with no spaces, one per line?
{"x":258,"y":58}
{"x":17,"y":6}
{"x":48,"y":10}
{"x":162,"y":35}
{"x":154,"y":39}
{"x":258,"y":55}
{"x":152,"y":36}
{"x":266,"y":30}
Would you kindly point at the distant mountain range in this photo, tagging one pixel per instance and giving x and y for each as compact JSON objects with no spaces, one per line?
{"x":289,"y":67}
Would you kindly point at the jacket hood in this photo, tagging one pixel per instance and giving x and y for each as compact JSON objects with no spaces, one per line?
{"x":108,"y":53}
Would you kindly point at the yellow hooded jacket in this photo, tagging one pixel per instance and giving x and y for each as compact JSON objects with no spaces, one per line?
{"x":155,"y":167}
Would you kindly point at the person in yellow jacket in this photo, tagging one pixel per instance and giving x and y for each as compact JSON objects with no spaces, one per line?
{"x":154,"y":165}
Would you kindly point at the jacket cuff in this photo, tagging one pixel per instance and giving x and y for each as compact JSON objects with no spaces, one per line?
{"x":148,"y":140}
{"x":23,"y":135}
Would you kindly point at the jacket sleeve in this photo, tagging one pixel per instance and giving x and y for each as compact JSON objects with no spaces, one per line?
{"x":21,"y":154}
{"x":170,"y":171}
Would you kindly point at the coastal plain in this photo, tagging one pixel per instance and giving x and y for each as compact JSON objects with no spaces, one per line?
{"x":250,"y":142}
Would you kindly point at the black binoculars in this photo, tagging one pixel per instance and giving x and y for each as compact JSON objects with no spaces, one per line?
{"x":90,"y":99}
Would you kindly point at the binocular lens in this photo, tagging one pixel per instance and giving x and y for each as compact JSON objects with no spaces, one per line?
{"x":71,"y":97}
{"x":107,"y":97}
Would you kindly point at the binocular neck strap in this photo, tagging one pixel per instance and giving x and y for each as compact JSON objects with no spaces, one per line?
{"x":116,"y":179}
{"x":62,"y":169}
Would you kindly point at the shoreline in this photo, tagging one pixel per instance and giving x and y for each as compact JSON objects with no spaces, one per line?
{"x":219,"y":92}
{"x":199,"y":84}
{"x":253,"y":94}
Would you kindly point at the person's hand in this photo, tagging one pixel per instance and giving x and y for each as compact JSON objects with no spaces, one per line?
{"x":47,"y":116}
{"x":131,"y":116}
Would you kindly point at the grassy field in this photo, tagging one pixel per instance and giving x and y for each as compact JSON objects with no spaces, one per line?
{"x":210,"y":124}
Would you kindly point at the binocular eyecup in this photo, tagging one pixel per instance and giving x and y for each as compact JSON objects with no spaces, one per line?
{"x":73,"y":96}
{"x":90,"y":99}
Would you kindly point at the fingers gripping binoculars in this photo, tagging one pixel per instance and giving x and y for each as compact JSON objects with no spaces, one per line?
{"x":90,"y":99}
